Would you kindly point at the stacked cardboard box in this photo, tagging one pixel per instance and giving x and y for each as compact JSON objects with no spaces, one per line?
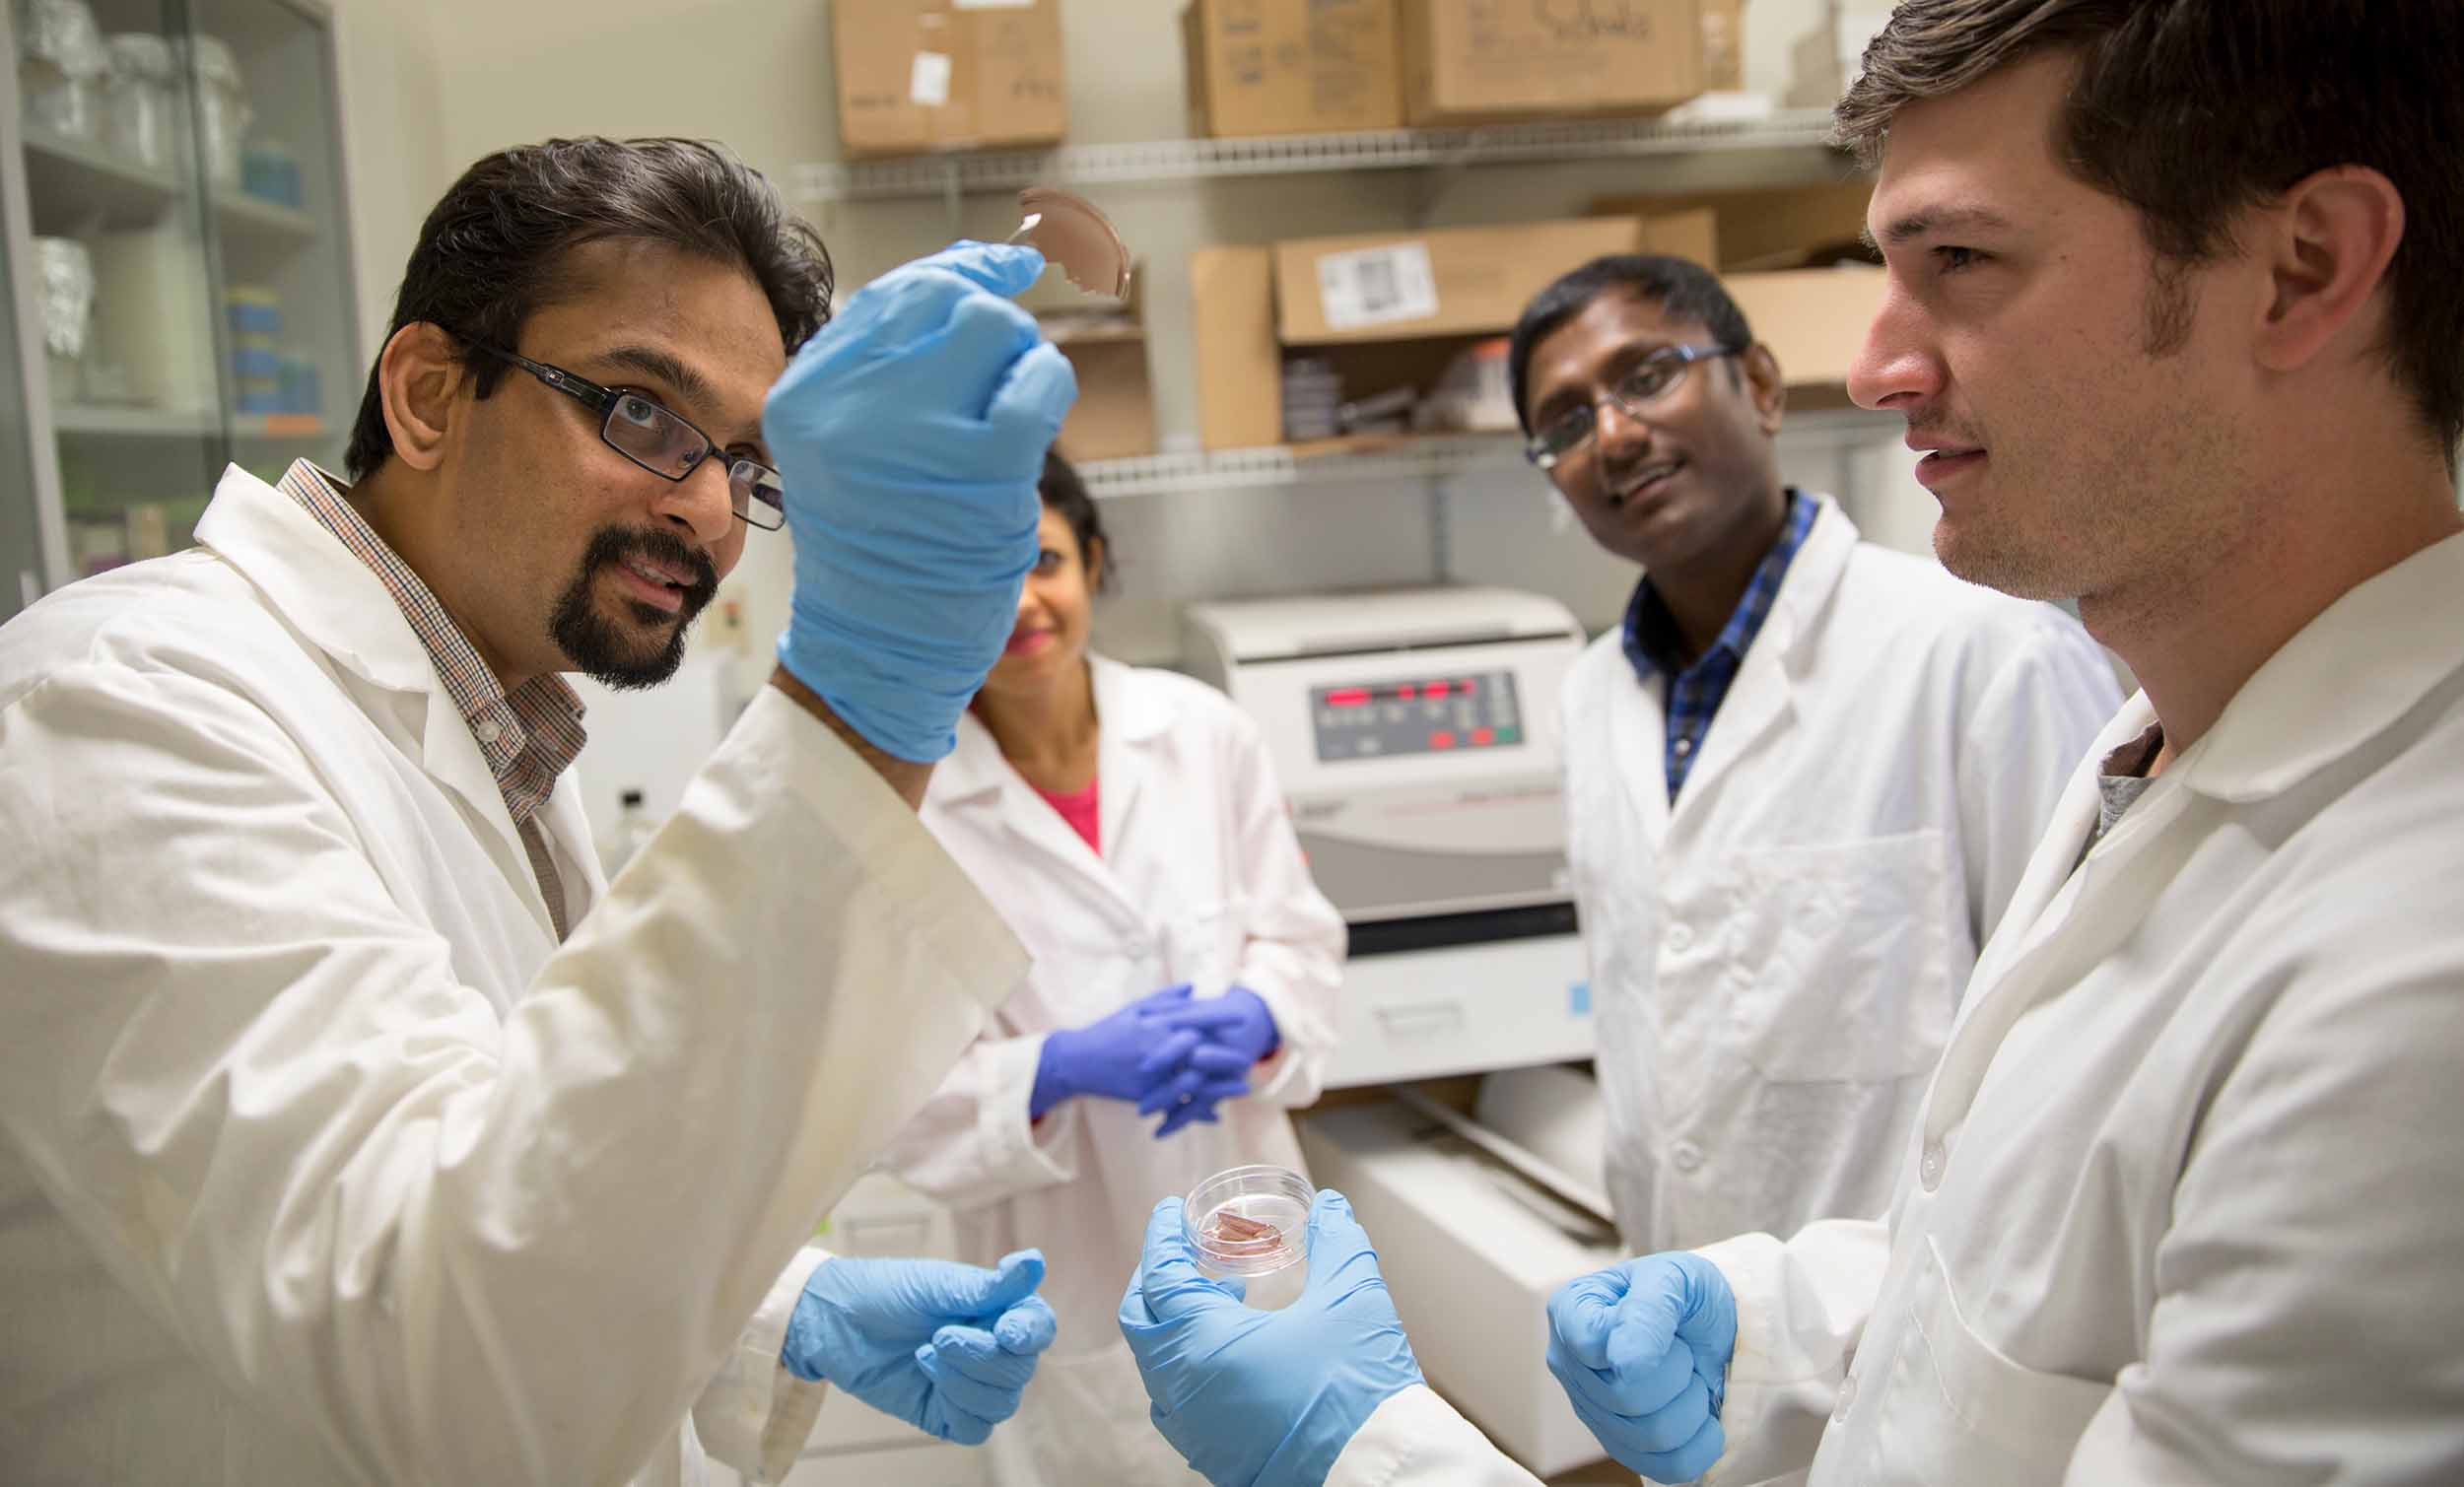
{"x":1468,"y":63}
{"x":924,"y":75}
{"x":1291,"y":66}
{"x":1389,"y":310}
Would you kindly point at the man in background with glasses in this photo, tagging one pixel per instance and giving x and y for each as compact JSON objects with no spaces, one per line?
{"x":352,"y":1126}
{"x":1802,"y":775}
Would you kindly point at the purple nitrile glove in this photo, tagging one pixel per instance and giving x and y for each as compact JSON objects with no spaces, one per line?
{"x":1239,"y":1031}
{"x":1120,"y":1056}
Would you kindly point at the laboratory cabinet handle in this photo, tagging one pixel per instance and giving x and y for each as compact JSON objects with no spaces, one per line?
{"x":1424,"y":1019}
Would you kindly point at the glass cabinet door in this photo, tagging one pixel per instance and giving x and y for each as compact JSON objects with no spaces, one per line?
{"x":123,"y":286}
{"x":269,"y":153}
{"x":181,"y":256}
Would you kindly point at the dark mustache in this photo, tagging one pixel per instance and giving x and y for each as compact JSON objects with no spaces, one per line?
{"x":611,"y":545}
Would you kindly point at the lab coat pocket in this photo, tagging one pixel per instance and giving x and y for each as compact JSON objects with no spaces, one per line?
{"x":1841,"y":959}
{"x":1958,"y":1409}
{"x":1202,"y":944}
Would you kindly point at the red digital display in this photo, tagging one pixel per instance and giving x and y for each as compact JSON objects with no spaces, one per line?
{"x":1347,"y":696}
{"x":1441,"y":739}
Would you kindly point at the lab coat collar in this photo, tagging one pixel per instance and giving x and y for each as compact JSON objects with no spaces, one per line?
{"x":2348,"y":675}
{"x":315,"y":582}
{"x":1758,"y":699}
{"x":338,"y":603}
{"x":1811,"y":578}
{"x":1128,"y":715}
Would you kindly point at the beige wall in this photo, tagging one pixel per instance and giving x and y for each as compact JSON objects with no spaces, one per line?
{"x":431,"y":85}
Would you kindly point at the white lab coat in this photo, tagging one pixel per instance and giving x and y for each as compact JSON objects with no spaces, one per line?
{"x":2186,"y":1200}
{"x":322,"y":1160}
{"x":1200,"y":881}
{"x":1776,"y":959}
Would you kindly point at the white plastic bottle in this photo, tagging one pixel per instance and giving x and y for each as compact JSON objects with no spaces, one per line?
{"x":634,"y":826}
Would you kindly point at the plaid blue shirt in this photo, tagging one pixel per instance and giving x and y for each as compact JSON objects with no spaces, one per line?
{"x":1654,"y":646}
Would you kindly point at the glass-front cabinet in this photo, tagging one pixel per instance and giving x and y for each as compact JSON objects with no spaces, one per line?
{"x":180,"y":271}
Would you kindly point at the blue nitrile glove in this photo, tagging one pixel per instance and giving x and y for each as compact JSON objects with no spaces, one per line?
{"x":1239,"y":1031}
{"x":1119,"y":1056}
{"x":946,"y":1347}
{"x":1266,"y":1398}
{"x":1642,"y":1349}
{"x":910,"y":432}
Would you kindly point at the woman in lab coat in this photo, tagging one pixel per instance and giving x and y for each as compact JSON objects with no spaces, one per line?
{"x":1127,"y":825}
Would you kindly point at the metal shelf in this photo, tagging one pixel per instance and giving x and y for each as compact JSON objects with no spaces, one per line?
{"x":1399,"y":457}
{"x":101,"y":420}
{"x":77,"y":183}
{"x":1805,"y":129}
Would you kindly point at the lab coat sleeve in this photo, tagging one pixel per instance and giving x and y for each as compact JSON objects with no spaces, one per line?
{"x":1415,"y":1439}
{"x":973,"y":1144}
{"x":455,"y":1242}
{"x":2306,"y":1309}
{"x":2029,"y":720}
{"x":1293,"y":954}
{"x":755,"y":1414}
{"x":1802,"y":1305}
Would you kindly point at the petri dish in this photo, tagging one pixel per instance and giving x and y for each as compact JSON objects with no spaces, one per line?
{"x":1251,"y":1224}
{"x":1073,"y":232}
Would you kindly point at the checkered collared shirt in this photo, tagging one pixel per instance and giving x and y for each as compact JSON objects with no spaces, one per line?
{"x":1652,"y":644}
{"x":528,"y":735}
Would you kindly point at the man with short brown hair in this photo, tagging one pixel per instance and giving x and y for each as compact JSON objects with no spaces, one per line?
{"x":2174,"y":310}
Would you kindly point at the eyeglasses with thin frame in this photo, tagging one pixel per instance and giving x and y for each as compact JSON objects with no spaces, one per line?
{"x":1645,"y":382}
{"x":661,"y":441}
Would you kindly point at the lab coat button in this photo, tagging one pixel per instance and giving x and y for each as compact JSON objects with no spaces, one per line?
{"x":1928,"y":1168}
{"x":1680,"y":938}
{"x":487,"y":731}
{"x":1847,"y":1397}
{"x":1684,"y":747}
{"x":1685,"y":1156}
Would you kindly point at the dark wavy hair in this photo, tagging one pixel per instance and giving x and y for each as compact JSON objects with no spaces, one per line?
{"x":2193,"y":110}
{"x":493,"y":252}
{"x":1063,"y":492}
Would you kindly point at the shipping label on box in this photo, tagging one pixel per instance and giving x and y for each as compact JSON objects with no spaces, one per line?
{"x":1379,"y":286}
{"x":1478,"y":279}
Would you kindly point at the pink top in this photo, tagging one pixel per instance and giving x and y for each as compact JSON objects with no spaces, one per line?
{"x":1077,"y":807}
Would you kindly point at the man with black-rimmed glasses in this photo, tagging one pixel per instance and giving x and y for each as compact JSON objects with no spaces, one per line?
{"x":352,"y":1126}
{"x":1803,"y":775}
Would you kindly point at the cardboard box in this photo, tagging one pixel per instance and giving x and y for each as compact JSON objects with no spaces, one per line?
{"x":1105,"y":341}
{"x":1249,"y":303}
{"x":1451,"y":281}
{"x":1723,"y":46}
{"x":1240,"y":368}
{"x":1813,"y":319}
{"x":1466,"y":61}
{"x":924,"y":75}
{"x":1114,"y":416}
{"x":1291,"y":66}
{"x":1785,"y":226}
{"x":1471,"y":1269}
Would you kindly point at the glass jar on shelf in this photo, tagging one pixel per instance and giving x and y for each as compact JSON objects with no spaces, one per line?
{"x":61,"y":67}
{"x":66,"y":271}
{"x":223,"y":111}
{"x":140,"y":100}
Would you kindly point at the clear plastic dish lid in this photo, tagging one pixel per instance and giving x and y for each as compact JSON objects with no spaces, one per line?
{"x":1248,"y":1220}
{"x":1072,"y":232}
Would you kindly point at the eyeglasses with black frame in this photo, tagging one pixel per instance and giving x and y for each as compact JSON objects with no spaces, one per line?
{"x":1645,"y":382}
{"x":660,"y":439}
